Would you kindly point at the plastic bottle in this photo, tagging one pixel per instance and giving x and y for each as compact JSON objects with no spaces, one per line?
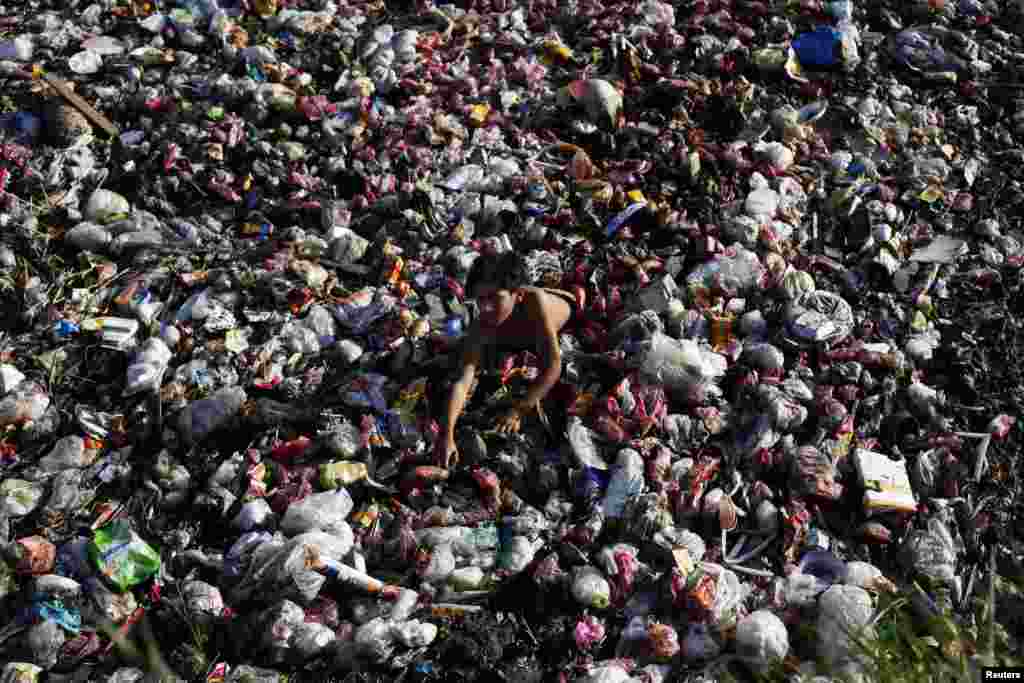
{"x":20,"y":49}
{"x":627,"y":482}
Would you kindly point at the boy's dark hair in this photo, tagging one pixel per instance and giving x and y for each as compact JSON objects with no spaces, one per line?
{"x":504,"y":271}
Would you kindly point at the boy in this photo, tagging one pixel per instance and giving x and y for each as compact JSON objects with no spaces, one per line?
{"x":512,"y":317}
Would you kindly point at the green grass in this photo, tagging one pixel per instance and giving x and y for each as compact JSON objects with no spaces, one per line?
{"x":907,"y":647}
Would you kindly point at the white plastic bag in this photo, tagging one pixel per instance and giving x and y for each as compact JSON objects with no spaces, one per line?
{"x":683,"y":367}
{"x":518,"y":553}
{"x":10,"y":377}
{"x":414,"y":633}
{"x":606,"y":672}
{"x":325,"y":511}
{"x":202,"y":417}
{"x":762,"y":203}
{"x":347,"y":246}
{"x":67,"y":453}
{"x":761,"y":638}
{"x":441,"y":564}
{"x":729,"y":594}
{"x":627,"y":482}
{"x":375,"y":639}
{"x":278,"y":567}
{"x":309,"y":639}
{"x":255,"y":514}
{"x":844,"y":615}
{"x":106,"y":205}
{"x":863,"y":575}
{"x":202,"y":600}
{"x":23,"y":672}
{"x":590,"y":588}
{"x":280,"y":622}
{"x":656,"y":296}
{"x":146,"y":371}
{"x":466,"y":578}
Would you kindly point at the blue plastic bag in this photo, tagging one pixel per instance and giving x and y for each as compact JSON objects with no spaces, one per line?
{"x":819,"y":48}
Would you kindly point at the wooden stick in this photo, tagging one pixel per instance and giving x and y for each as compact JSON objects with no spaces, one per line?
{"x":81,"y":105}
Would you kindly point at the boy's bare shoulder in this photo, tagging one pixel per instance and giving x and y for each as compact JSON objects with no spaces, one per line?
{"x":543,"y":303}
{"x":538,"y":296}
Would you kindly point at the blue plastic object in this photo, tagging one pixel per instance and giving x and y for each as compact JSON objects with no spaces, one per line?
{"x":819,"y":48}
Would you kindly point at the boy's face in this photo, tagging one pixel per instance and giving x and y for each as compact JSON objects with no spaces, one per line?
{"x":495,"y":304}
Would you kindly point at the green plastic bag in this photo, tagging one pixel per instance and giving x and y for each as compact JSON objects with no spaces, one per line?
{"x":122,"y":556}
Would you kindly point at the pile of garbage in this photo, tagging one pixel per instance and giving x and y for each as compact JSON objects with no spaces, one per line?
{"x":234,"y":248}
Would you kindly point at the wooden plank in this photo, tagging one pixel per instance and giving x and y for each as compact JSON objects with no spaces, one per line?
{"x":81,"y":105}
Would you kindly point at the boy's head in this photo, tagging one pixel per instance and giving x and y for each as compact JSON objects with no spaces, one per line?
{"x":495,"y":281}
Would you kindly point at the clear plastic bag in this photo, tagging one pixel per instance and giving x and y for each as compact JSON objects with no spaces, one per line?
{"x":10,"y":377}
{"x":244,"y":673}
{"x":67,"y":453}
{"x":441,"y":564}
{"x":518,"y":553}
{"x":19,"y":497}
{"x":202,"y":600}
{"x":466,"y":578}
{"x":326,"y":511}
{"x":801,"y":590}
{"x":279,"y":624}
{"x":761,"y":638}
{"x":146,"y":371}
{"x":45,"y":639}
{"x":347,"y":247}
{"x":414,"y":633}
{"x":376,"y":639}
{"x":202,"y":417}
{"x":683,"y":367}
{"x":729,"y":593}
{"x":844,"y":615}
{"x":590,"y":588}
{"x":700,"y":644}
{"x":627,"y":481}
{"x":309,"y":640}
{"x":866,"y":576}
{"x":932,"y":551}
{"x":613,"y":671}
{"x":239,"y":555}
{"x":278,"y":567}
{"x":656,"y":297}
{"x":255,"y":514}
{"x":24,"y":672}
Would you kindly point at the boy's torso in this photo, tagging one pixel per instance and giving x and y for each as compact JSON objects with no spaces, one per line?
{"x":520,"y":332}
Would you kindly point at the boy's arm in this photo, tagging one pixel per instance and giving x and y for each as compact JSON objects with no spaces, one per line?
{"x":550,"y":353}
{"x":460,"y":389}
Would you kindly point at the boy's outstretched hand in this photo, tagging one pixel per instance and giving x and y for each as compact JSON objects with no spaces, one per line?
{"x":510,"y":422}
{"x":446,"y":453}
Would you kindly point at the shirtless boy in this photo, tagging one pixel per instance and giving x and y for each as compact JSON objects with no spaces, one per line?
{"x":512,"y":317}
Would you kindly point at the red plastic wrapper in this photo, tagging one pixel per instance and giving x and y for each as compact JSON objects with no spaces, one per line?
{"x":290,"y":451}
{"x":610,"y":428}
{"x":662,"y":642}
{"x":622,"y":582}
{"x":323,"y":611}
{"x":546,"y":571}
{"x":490,"y":485}
{"x":1001,"y":425}
{"x":36,"y":555}
{"x":291,"y":484}
{"x":589,"y":632}
{"x":85,"y":644}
